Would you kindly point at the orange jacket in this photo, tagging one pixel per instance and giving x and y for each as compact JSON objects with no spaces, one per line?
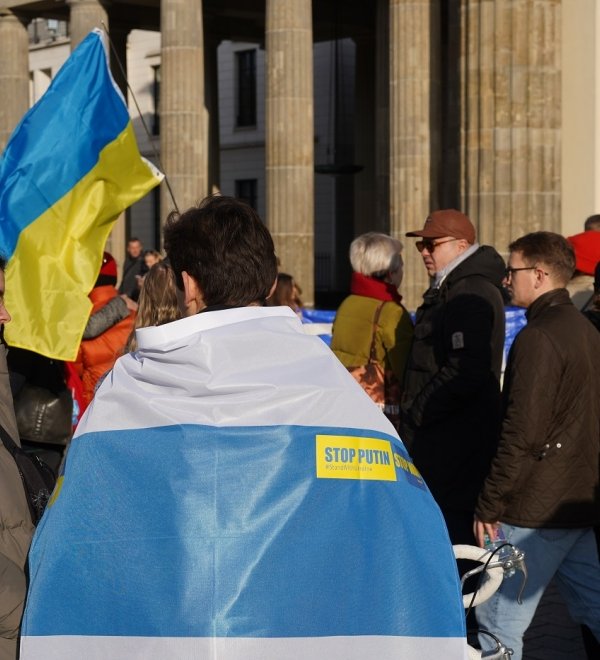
{"x":96,"y":356}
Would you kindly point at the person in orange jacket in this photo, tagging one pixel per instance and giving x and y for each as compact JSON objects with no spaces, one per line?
{"x":96,"y":356}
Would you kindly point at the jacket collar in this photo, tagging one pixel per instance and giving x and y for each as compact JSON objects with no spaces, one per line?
{"x":546,"y":300}
{"x":441,"y":275}
{"x":362,"y":285}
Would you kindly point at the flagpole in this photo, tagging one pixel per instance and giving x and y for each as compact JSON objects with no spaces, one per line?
{"x":141,"y":116}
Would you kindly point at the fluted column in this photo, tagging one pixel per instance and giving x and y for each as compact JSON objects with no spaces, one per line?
{"x":183,"y":139}
{"x":510,"y":128}
{"x":290,"y":137}
{"x":14,"y":73}
{"x":414,"y":132}
{"x":84,"y":16}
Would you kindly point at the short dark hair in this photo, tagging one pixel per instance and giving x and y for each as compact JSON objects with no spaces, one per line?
{"x":224,"y":245}
{"x":592,"y":223}
{"x":553,"y":250}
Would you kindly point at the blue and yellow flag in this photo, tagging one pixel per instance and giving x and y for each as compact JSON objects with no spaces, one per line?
{"x":70,"y":168}
{"x":232,"y":493}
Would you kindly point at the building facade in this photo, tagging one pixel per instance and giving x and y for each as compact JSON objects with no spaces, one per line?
{"x":338,"y":117}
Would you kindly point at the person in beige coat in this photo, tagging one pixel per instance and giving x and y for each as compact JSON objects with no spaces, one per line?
{"x":16,"y":527}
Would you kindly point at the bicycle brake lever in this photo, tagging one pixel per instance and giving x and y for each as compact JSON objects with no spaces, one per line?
{"x":520,"y":564}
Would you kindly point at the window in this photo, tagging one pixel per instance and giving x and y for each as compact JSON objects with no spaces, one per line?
{"x":245,"y":189}
{"x":246,"y":88}
{"x":156,"y":100}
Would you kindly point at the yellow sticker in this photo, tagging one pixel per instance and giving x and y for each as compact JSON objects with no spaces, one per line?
{"x":349,"y":457}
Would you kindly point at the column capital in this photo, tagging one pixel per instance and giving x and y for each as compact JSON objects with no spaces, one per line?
{"x":7,"y":14}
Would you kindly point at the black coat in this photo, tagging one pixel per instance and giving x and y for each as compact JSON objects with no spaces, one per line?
{"x":131,"y":269}
{"x":451,"y":405}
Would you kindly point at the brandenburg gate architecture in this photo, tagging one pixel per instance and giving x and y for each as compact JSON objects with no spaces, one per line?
{"x":456,"y":103}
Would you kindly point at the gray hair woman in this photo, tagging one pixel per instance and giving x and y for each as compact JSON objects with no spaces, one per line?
{"x":372,"y":329}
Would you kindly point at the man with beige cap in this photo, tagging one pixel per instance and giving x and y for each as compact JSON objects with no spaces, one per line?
{"x":451,"y":401}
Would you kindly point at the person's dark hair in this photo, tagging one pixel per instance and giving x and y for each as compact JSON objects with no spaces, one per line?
{"x":592,"y":223}
{"x":2,"y":263}
{"x":224,"y":245}
{"x":550,"y":249}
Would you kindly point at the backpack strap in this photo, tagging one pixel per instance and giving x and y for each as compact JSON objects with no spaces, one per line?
{"x":7,"y":441}
{"x":372,"y":351}
{"x":38,"y":479}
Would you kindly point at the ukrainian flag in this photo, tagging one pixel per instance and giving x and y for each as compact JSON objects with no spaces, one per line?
{"x":232,"y":493}
{"x":70,"y":168}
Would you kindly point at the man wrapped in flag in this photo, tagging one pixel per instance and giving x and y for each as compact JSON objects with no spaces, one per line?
{"x":70,"y":168}
{"x":232,"y":493}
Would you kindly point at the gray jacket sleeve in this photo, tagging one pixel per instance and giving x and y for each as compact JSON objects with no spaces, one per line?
{"x":113,"y":312}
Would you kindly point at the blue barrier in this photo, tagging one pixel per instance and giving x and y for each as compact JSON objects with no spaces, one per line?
{"x":515,"y":320}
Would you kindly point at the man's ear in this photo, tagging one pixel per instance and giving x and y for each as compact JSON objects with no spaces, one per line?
{"x":541,"y":277}
{"x":193,"y":298}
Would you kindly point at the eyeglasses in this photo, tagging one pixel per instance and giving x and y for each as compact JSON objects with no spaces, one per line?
{"x":430,"y":245}
{"x":509,"y":271}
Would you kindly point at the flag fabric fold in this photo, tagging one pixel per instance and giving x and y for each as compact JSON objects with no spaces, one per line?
{"x":70,"y":168}
{"x":218,"y":504}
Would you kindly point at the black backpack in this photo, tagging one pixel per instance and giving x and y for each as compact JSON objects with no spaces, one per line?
{"x":38,"y":478}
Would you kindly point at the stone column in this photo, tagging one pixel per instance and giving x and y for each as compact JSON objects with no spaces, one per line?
{"x":183,"y":141}
{"x":84,"y":16}
{"x":414,"y":133}
{"x":510,"y":127}
{"x":14,"y":73}
{"x":290,"y":137}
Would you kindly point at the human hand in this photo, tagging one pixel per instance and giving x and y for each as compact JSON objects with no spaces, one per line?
{"x":481,"y":528}
{"x":131,"y":304}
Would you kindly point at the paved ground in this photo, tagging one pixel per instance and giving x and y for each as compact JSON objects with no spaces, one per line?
{"x":552,"y":635}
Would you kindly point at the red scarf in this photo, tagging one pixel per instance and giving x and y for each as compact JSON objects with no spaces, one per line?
{"x":362,"y":285}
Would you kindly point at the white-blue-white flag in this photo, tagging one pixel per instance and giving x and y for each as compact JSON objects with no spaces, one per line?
{"x":233,"y":494}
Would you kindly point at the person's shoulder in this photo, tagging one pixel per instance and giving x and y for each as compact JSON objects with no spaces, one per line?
{"x":393,"y":310}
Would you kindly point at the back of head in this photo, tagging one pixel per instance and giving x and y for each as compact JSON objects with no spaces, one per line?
{"x":108,"y":271}
{"x":375,"y":255}
{"x":286,"y":292}
{"x":552,"y":250}
{"x":225,"y":247}
{"x":592,"y":223}
{"x":158,"y":302}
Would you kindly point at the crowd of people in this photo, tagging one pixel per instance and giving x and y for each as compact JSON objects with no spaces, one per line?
{"x":514,"y":454}
{"x":522,"y":462}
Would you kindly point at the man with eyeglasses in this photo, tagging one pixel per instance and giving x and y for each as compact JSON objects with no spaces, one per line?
{"x":544,"y":483}
{"x":451,"y":400}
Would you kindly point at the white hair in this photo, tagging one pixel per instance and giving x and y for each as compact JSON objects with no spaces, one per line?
{"x":375,"y":254}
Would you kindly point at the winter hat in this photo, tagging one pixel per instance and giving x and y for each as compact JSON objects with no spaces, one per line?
{"x":108,"y":271}
{"x":448,"y":222}
{"x":587,"y":250}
